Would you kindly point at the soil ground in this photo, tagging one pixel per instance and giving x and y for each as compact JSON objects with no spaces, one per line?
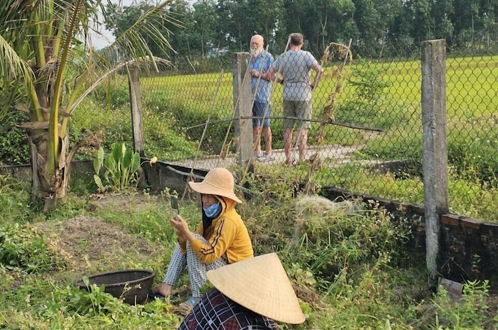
{"x":91,"y":244}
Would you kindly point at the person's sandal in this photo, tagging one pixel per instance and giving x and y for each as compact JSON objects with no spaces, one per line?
{"x":269,"y":158}
{"x":186,"y":307}
{"x":291,"y":162}
{"x":155,"y":295}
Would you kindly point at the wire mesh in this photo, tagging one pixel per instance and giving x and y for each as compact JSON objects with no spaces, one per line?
{"x":186,"y":100}
{"x":365,"y":129}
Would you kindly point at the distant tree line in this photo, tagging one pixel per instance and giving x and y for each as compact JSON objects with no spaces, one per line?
{"x":375,"y":27}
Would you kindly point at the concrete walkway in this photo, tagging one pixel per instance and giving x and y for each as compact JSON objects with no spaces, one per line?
{"x":338,"y":155}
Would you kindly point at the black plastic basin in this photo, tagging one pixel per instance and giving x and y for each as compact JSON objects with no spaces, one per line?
{"x":131,"y":285}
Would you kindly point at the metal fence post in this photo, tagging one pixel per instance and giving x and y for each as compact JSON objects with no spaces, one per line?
{"x":136,"y":109}
{"x":242,"y":96}
{"x":435,"y":155}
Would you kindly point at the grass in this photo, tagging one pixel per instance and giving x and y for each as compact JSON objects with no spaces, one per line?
{"x":350,"y":268}
{"x":467,"y":196}
{"x":172,"y":104}
{"x":376,"y":94}
{"x":470,"y":90}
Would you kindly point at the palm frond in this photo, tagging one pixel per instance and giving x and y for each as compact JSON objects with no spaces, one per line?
{"x":12,"y":66}
{"x":103,"y":77}
{"x":53,"y":130}
{"x":150,"y":26}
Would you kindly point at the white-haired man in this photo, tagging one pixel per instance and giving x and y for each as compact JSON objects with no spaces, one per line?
{"x":261,"y":62}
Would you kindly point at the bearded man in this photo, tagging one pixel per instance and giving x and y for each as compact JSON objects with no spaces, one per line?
{"x":261,"y":62}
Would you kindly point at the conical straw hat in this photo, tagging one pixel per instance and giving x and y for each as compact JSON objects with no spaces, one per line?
{"x":218,"y":181}
{"x":261,"y":285}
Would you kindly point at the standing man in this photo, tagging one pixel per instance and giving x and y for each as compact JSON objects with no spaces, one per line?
{"x":294,"y":66}
{"x":261,"y":62}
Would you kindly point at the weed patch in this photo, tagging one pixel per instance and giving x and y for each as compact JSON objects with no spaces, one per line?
{"x":22,"y":248}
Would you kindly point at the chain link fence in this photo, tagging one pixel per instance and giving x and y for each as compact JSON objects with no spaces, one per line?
{"x":363,"y":122}
{"x":186,"y":98}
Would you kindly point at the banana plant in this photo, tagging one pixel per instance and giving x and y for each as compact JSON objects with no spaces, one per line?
{"x":45,"y":47}
{"x":120,"y":168}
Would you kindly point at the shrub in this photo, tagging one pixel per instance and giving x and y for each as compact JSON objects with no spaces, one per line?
{"x":14,"y":201}
{"x":22,"y":248}
{"x":333,"y":241}
{"x":14,"y":147}
{"x":120,"y":168}
{"x":474,"y":153}
{"x":164,"y":138}
{"x":467,"y":313}
{"x":369,"y":105}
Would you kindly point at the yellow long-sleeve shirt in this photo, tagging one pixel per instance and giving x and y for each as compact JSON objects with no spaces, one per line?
{"x":227,"y":236}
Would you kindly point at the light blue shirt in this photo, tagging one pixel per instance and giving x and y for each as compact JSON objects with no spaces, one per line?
{"x":261,"y":64}
{"x":295,"y":68}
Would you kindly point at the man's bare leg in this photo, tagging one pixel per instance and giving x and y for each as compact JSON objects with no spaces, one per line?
{"x":256,"y":140}
{"x":302,"y":143}
{"x":268,"y":138}
{"x":288,"y":145}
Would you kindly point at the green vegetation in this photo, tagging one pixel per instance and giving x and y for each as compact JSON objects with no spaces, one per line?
{"x":469,"y":313}
{"x":467,"y":196}
{"x":119,"y":167}
{"x":376,"y":28}
{"x":14,"y":146}
{"x":380,"y":95}
{"x":349,"y":266}
{"x":24,"y":249}
{"x":48,"y":68}
{"x":375,"y":94}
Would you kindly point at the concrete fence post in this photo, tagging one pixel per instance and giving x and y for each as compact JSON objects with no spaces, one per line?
{"x":242,"y":98}
{"x":136,"y":109}
{"x":435,"y":155}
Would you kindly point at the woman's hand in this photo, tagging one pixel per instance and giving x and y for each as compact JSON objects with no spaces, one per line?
{"x":180,"y":239}
{"x":181,"y":228}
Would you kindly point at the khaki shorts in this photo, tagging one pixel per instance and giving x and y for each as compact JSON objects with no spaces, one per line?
{"x":298,"y":109}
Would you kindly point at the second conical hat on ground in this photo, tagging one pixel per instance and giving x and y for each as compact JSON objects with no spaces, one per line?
{"x":261,"y":285}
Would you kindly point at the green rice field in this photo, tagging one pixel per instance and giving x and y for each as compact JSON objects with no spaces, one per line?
{"x":383,"y":95}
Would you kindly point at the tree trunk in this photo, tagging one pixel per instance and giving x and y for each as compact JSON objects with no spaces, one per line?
{"x":35,"y":181}
{"x":51,"y":187}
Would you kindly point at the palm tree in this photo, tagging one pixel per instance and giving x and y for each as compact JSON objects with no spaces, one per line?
{"x":45,"y":51}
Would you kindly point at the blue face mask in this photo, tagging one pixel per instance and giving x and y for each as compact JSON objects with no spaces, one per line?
{"x":212,"y":210}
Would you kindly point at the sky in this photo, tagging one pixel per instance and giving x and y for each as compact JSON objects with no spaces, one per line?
{"x":105,"y":37}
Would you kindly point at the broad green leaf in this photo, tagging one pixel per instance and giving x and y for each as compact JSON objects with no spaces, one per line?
{"x":127,"y":159}
{"x":98,"y":181}
{"x":118,"y":151}
{"x":135,"y":163}
{"x":99,"y":160}
{"x":110,"y":164}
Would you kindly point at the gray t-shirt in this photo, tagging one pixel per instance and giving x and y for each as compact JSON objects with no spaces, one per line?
{"x":294,"y":67}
